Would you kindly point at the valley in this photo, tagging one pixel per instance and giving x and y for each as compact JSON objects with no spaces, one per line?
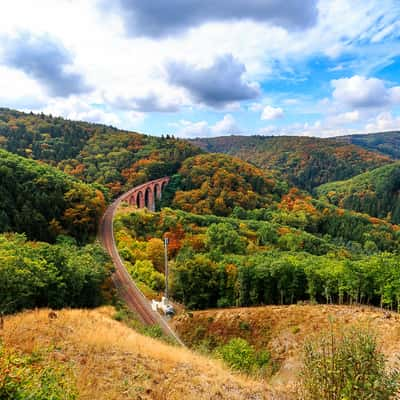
{"x":258,"y":265}
{"x":200,"y":200}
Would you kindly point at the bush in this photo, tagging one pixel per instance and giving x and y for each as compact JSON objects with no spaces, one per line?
{"x":241,"y":356}
{"x":346,"y":365}
{"x":154,"y":331}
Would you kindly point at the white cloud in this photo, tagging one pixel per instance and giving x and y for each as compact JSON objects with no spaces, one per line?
{"x":18,"y":89}
{"x":385,"y":32}
{"x":361,"y":92}
{"x":120,"y":67}
{"x":385,"y":121}
{"x":317,"y":128}
{"x":226,"y":126}
{"x":255,"y":107}
{"x":270,"y":113}
{"x":344,"y":118}
{"x":77,"y":109}
{"x":395,"y":95}
{"x":269,"y":130}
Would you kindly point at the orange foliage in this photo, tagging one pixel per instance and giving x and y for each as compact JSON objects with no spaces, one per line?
{"x":296,"y":201}
{"x":115,"y":188}
{"x":375,"y":221}
{"x":283,"y":230}
{"x":216,"y":183}
{"x":175,"y":236}
{"x":196,"y":242}
{"x":78,"y":170}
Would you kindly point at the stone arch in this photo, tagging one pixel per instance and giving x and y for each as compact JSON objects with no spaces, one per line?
{"x":149,"y":199}
{"x":139,"y":199}
{"x":163,"y":184}
{"x":157,"y":191}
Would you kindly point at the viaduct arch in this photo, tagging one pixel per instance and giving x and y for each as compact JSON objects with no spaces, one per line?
{"x":145,"y":196}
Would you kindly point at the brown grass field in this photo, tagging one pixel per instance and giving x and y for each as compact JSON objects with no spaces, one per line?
{"x":111,"y":361}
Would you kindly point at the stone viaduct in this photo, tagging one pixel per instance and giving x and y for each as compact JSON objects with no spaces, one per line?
{"x":144,"y":196}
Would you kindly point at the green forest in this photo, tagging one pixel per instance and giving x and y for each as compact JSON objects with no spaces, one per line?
{"x":43,"y":202}
{"x":375,"y":192}
{"x":383,"y":142}
{"x":38,"y":274}
{"x":90,"y":152}
{"x":240,"y":233}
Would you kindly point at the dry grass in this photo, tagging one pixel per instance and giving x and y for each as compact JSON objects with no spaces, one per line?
{"x":113,"y":362}
{"x":283,"y":329}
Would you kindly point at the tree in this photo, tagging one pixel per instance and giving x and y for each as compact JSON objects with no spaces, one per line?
{"x":155,"y":253}
{"x":224,"y":238}
{"x":195,"y":282}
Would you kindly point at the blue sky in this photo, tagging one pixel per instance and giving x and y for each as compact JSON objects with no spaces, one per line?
{"x":205,"y":68}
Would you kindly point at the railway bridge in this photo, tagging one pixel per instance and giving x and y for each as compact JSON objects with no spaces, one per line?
{"x":145,"y":195}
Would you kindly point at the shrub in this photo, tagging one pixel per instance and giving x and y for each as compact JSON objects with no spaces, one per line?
{"x":154,"y":331}
{"x":346,"y":365}
{"x":241,"y":356}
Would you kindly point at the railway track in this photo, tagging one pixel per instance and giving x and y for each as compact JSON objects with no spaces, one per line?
{"x":127,"y":288}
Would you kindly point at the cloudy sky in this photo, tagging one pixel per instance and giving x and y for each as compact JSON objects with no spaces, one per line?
{"x":206,"y":67}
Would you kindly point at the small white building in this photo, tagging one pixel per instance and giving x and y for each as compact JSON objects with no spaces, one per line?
{"x":163,"y":305}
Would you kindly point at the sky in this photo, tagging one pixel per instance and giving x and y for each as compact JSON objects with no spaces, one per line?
{"x":203,"y":68}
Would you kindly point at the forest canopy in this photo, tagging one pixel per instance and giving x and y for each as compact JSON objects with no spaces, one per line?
{"x":91,"y":152}
{"x":375,"y":192}
{"x":43,"y":202}
{"x":37,"y":274}
{"x":305,"y":162}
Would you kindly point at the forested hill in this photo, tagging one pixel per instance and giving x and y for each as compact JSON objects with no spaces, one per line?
{"x":217,"y":183}
{"x":376,"y":192}
{"x":306,"y":162}
{"x":91,"y":152}
{"x":385,"y":142}
{"x":43,"y":202}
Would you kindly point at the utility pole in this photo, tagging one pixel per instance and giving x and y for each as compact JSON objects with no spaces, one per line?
{"x":166,"y":241}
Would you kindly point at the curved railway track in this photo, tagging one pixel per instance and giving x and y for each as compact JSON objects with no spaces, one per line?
{"x":127,"y":288}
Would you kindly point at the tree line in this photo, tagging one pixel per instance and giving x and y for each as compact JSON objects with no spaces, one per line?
{"x":37,"y":274}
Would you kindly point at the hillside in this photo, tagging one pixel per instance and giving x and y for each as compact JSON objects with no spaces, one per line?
{"x":306,"y":162}
{"x":43,"y":202}
{"x":283,"y":329}
{"x":91,"y":152}
{"x":37,"y":274}
{"x":220,"y":262}
{"x":217,"y":183}
{"x":111,"y":361}
{"x":376,"y":193}
{"x":101,"y":358}
{"x":387,"y":143}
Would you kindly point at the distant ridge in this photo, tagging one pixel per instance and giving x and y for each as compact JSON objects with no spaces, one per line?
{"x":305,"y":162}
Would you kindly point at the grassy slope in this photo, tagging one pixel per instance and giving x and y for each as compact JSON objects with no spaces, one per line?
{"x":111,"y":361}
{"x":283,"y":329}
